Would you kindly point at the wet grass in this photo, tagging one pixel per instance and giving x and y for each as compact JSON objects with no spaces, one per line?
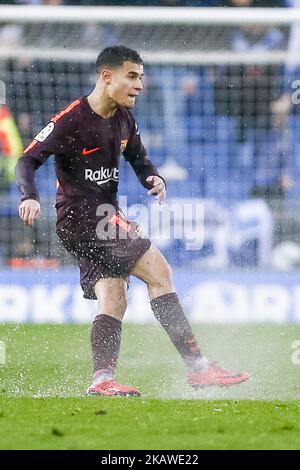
{"x":48,"y":368}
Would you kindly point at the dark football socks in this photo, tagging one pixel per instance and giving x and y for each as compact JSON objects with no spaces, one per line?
{"x":168,"y":311}
{"x":105,"y":339}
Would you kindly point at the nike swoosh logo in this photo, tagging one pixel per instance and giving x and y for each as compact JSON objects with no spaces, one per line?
{"x":87,"y":152}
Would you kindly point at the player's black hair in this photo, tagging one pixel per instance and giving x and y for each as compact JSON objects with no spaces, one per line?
{"x":115,"y":56}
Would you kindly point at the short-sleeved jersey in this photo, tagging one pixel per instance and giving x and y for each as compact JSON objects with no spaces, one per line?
{"x":86,"y":149}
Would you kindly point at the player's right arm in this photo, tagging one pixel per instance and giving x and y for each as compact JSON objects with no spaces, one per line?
{"x":46,"y":143}
{"x":33,"y":157}
{"x":25,"y":169}
{"x":29,"y":211}
{"x":53,"y":139}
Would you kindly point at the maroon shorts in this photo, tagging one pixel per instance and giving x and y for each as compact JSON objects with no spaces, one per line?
{"x":98,"y":258}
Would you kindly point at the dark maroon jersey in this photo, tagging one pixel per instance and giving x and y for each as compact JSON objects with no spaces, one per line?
{"x":86,"y":149}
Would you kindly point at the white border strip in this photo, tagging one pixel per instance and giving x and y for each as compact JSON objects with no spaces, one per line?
{"x":166,"y":57}
{"x":148,"y":15}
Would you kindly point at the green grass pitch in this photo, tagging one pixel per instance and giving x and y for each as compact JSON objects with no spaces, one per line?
{"x":48,"y":368}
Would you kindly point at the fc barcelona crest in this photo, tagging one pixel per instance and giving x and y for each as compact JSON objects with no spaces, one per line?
{"x":123,"y":145}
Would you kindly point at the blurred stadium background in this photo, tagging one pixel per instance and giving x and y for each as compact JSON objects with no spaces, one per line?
{"x":217,"y":119}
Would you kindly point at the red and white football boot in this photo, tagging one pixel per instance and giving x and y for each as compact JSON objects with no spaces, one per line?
{"x":215,"y":375}
{"x":110,"y":388}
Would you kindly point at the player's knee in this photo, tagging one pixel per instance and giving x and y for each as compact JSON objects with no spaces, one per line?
{"x":114,"y":307}
{"x":113,"y":304}
{"x":122,"y":306}
{"x":163,"y":278}
{"x":119,"y":303}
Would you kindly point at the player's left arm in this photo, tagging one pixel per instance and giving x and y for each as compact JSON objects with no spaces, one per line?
{"x":146,"y":172}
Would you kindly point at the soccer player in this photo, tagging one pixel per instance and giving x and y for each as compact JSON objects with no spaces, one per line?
{"x":87,"y":138}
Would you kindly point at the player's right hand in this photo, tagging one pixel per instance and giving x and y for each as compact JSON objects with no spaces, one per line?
{"x":29,"y":211}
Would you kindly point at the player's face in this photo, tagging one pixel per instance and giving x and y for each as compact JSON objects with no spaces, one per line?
{"x":126,"y":84}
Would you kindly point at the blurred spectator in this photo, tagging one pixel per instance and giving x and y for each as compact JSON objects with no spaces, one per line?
{"x":253,"y":95}
{"x":292,"y":65}
{"x":53,"y":2}
{"x":144,"y":3}
{"x":10,"y":147}
{"x":165,"y":3}
{"x":252,"y":3}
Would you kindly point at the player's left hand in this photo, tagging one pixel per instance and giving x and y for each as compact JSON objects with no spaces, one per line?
{"x":159,"y":188}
